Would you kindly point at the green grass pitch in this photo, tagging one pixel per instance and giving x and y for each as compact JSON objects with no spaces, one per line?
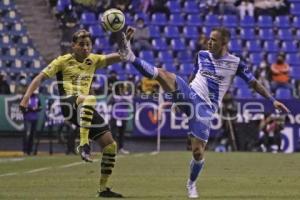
{"x":226,"y":176}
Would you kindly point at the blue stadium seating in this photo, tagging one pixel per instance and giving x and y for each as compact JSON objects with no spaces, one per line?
{"x":271,"y":58}
{"x":116,"y":67}
{"x":174,"y":6}
{"x":271,"y":46}
{"x":296,"y":22}
{"x":191,"y":7}
{"x":248,"y":34}
{"x":88,"y":18}
{"x":159,"y":44}
{"x":159,"y":19}
{"x":295,"y":73}
{"x":143,"y":16}
{"x":61,"y":5}
{"x":295,"y":9}
{"x":194,"y":20}
{"x":101,"y":44}
{"x":283,"y":93}
{"x":265,"y":21}
{"x":253,"y":46}
{"x":96,"y":31}
{"x":176,"y":20}
{"x":171,"y":32}
{"x":147,"y":55}
{"x":293,"y":59}
{"x":256,"y":58}
{"x":212,"y":20}
{"x":190,"y":32}
{"x":165,"y":56}
{"x":230,"y":21}
{"x":186,"y":68}
{"x":285,"y":34}
{"x":177,"y":45}
{"x":7,"y":5}
{"x":154,"y":31}
{"x":289,"y":47}
{"x":170,"y":67}
{"x":266,"y":34}
{"x":244,"y":93}
{"x":247,"y":21}
{"x":235,"y":46}
{"x":185,"y":56}
{"x":282,"y":22}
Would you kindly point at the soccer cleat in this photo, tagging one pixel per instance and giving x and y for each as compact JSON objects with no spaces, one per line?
{"x":85,"y":152}
{"x":123,"y":151}
{"x":109,"y":194}
{"x":192,"y":190}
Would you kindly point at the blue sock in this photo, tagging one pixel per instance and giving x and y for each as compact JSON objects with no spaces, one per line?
{"x":195,"y":167}
{"x":145,"y":68}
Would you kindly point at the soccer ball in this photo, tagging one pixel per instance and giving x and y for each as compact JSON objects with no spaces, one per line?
{"x":113,"y":20}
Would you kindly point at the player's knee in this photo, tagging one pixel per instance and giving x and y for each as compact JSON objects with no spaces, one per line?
{"x":111,"y":148}
{"x":198,"y":153}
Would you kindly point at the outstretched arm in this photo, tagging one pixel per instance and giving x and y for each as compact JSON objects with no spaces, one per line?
{"x":31,"y":88}
{"x":259,"y":88}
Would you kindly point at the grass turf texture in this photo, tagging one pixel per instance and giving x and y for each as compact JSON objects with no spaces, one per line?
{"x":158,"y":177}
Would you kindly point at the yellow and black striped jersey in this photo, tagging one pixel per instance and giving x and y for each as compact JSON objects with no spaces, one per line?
{"x":73,"y":77}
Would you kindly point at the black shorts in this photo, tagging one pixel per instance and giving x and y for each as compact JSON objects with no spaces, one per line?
{"x":69,"y":110}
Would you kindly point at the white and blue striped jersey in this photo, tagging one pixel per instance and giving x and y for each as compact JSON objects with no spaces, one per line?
{"x":213,"y":76}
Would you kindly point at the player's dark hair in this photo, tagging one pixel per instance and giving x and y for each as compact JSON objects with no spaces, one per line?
{"x":82,"y":33}
{"x":225,"y":34}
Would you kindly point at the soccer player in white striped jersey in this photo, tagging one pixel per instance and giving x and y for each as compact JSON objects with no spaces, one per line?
{"x":213,"y":75}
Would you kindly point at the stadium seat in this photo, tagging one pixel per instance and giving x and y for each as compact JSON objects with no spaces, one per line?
{"x":293,"y":59}
{"x":248,"y":34}
{"x":191,"y":7}
{"x":174,"y":6}
{"x":296,"y":22}
{"x":207,"y":30}
{"x":11,"y":17}
{"x":96,"y":31}
{"x":147,"y":55}
{"x":3,"y":28}
{"x":116,"y":67}
{"x":159,"y":19}
{"x":143,"y":16}
{"x":266,"y":34}
{"x":194,"y":20}
{"x":165,"y":56}
{"x":271,"y":46}
{"x":230,"y":21}
{"x":6,"y":5}
{"x":282,"y":22}
{"x":185,"y":56}
{"x":272,"y":57}
{"x":265,"y":21}
{"x":170,"y":67}
{"x":256,"y":58}
{"x":190,"y":32}
{"x":177,"y":45}
{"x":295,"y":9}
{"x":176,"y":20}
{"x":235,"y":46}
{"x":88,"y":18}
{"x":283,"y":93}
{"x":18,"y":29}
{"x":101,"y":44}
{"x":186,"y":68}
{"x":285,"y":34}
{"x":159,"y":44}
{"x":171,"y":32}
{"x":253,"y":46}
{"x":247,"y":22}
{"x":154,"y":31}
{"x":212,"y":20}
{"x":289,"y":47}
{"x":61,"y":5}
{"x":295,"y":73}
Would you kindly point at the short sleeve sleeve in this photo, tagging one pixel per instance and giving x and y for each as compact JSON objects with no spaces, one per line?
{"x":244,"y":72}
{"x":52,"y":69}
{"x":100,"y":61}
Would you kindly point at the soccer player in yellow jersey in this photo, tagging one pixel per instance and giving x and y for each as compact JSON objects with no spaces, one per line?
{"x":74,"y":73}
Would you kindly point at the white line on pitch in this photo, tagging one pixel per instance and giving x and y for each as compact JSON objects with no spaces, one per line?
{"x":37,"y":170}
{"x":9,"y":174}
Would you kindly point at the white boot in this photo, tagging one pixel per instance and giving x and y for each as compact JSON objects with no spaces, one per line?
{"x":192,"y":189}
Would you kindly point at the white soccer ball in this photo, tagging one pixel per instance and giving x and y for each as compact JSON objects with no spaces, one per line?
{"x":113,"y":20}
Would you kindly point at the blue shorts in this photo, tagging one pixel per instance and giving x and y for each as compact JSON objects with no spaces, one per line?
{"x":197,"y":110}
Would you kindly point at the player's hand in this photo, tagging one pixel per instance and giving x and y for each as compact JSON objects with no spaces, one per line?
{"x":125,"y":51}
{"x":281,"y":107}
{"x":23,"y":106}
